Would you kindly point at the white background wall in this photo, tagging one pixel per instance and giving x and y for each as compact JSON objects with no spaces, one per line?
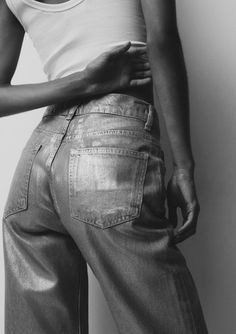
{"x":207,"y":28}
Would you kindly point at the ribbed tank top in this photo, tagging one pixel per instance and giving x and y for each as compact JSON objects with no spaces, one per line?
{"x":67,"y":36}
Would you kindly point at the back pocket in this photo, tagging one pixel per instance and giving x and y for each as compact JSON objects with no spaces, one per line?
{"x":106,"y":185}
{"x":18,"y":195}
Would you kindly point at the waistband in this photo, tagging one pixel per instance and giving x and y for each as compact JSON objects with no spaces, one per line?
{"x":114,"y":103}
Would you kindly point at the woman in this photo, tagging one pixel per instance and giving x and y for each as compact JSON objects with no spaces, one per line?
{"x":89,"y":186}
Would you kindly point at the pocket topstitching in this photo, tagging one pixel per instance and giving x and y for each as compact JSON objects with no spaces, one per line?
{"x":106,"y":185}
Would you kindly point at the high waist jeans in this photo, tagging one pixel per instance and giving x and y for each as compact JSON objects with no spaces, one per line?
{"x":89,"y":189}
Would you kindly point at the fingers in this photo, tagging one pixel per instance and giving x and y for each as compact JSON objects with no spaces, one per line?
{"x":181,"y":238}
{"x":140,"y":78}
{"x":136,"y":51}
{"x":140,"y":82}
{"x":138,"y":54}
{"x":138,"y":58}
{"x":118,"y":50}
{"x":141,"y":70}
{"x":189,"y":227}
{"x":141,"y":66}
{"x":141,"y":74}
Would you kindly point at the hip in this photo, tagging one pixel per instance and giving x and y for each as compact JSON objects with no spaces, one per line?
{"x":105,"y":151}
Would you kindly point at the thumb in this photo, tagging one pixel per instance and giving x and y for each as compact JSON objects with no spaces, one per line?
{"x":119,"y":49}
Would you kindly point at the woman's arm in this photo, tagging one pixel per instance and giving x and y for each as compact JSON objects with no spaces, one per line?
{"x":171,"y":93}
{"x":117,"y":69}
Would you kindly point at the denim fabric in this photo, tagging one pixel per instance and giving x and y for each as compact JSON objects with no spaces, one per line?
{"x":89,"y":188}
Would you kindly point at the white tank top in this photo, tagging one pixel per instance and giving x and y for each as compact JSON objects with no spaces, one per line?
{"x":67,"y":36}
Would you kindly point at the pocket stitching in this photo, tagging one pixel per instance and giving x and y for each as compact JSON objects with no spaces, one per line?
{"x":135,"y":208}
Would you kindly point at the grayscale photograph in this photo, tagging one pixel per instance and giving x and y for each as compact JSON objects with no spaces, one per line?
{"x":117,"y":174}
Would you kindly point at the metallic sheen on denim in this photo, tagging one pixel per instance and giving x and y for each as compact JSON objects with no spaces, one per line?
{"x":89,"y":189}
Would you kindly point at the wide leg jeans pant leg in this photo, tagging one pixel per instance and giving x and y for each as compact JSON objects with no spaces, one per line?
{"x":89,"y":189}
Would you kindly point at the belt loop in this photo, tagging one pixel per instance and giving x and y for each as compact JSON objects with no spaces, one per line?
{"x":49,"y":110}
{"x":150,"y":116}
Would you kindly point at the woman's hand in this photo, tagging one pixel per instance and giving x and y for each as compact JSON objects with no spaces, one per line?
{"x":121,"y":67}
{"x":181,"y":192}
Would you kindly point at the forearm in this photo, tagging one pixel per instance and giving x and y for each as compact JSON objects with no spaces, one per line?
{"x":19,"y":98}
{"x":170,"y":88}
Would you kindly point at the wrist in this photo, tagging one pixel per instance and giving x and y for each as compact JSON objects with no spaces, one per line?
{"x":184,"y":167}
{"x":77,"y":85}
{"x":89,"y":87}
{"x":184,"y":162}
{"x":187,"y":170}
